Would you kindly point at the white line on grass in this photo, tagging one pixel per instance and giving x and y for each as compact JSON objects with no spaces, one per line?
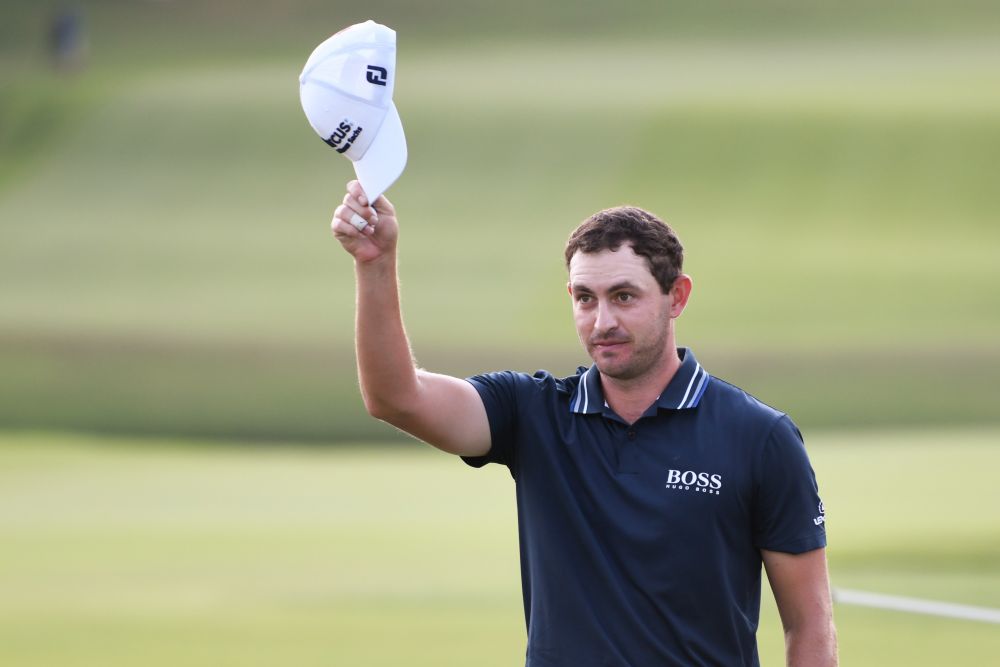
{"x":916,"y":606}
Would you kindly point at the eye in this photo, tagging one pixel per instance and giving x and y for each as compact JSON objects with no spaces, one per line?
{"x":583,"y":298}
{"x":624,"y":297}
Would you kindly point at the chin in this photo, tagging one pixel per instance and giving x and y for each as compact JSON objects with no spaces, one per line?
{"x":617,"y":371}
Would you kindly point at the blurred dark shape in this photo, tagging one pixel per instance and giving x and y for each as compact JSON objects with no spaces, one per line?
{"x":67,"y":40}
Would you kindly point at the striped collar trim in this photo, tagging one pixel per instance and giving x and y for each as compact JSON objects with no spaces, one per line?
{"x":683,"y":392}
{"x":588,"y":397}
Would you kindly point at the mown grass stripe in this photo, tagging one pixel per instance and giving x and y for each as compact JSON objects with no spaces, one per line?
{"x":916,"y":605}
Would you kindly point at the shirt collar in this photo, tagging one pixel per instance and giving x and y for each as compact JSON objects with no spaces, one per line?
{"x":684,"y":390}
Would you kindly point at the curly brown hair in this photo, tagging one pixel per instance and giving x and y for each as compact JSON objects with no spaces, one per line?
{"x":648,"y":236}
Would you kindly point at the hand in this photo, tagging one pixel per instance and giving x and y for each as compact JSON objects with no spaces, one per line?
{"x":378,"y":237}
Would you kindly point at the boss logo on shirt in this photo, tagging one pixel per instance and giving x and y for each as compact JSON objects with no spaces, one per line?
{"x":689,"y":480}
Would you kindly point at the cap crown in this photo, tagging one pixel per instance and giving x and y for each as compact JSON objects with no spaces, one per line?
{"x":346,"y":86}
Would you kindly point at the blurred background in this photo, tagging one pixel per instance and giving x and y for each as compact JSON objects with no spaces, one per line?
{"x":186,"y":470}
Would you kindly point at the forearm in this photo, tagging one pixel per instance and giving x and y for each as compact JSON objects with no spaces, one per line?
{"x":813,"y":646}
{"x":392,"y":387}
{"x":801,"y":588}
{"x":385,"y":363}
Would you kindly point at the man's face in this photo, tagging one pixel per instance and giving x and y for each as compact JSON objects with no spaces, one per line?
{"x":623,"y":319}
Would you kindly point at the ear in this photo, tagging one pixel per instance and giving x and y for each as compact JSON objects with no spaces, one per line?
{"x":679,"y":294}
{"x":569,"y":288}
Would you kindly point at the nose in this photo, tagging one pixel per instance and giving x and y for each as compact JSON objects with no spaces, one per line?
{"x":605,"y":320}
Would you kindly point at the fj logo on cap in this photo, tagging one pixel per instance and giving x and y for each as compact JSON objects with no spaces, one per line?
{"x":377,"y":75}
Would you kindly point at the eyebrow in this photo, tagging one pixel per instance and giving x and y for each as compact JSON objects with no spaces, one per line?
{"x":617,"y":287}
{"x":624,"y":285}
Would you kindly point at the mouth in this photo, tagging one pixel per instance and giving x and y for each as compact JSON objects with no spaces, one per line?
{"x":608,"y":344}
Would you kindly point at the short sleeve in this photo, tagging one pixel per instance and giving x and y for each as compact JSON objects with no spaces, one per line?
{"x":499,"y":394}
{"x":788,"y":513}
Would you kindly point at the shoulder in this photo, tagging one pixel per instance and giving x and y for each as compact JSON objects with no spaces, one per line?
{"x":515,"y":383}
{"x":539,"y":380}
{"x":728,"y":403}
{"x":737,"y":399}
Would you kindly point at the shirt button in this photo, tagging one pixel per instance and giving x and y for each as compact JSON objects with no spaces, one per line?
{"x":630,"y":433}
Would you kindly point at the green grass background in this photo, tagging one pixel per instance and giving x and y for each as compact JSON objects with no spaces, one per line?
{"x":166,"y":266}
{"x":114,"y":552}
{"x":172,"y":305}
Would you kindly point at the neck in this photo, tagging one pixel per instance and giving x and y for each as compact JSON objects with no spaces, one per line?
{"x":631,"y":397}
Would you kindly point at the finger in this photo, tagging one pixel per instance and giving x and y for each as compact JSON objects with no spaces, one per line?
{"x":343,"y":222}
{"x":355,"y":190}
{"x":345,"y":230}
{"x":384,"y":206}
{"x":348,"y":223}
{"x":365,"y":212}
{"x":359,"y":223}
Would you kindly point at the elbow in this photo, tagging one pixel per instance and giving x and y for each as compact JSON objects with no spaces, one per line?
{"x":375,"y":408}
{"x":384,"y":410}
{"x":393,"y":400}
{"x":397,"y":399}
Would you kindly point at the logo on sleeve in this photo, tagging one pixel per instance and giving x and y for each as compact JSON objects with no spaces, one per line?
{"x":821,"y":519}
{"x":689,"y":480}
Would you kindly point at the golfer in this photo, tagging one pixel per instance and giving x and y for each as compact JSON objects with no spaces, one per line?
{"x":649,"y":493}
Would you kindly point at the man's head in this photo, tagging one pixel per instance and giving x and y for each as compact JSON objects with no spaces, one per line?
{"x":625,"y":281}
{"x":648,"y":236}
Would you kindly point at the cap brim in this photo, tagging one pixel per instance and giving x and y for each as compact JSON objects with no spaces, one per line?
{"x":385,"y":158}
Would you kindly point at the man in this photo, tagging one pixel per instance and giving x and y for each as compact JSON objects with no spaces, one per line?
{"x":649,"y":493}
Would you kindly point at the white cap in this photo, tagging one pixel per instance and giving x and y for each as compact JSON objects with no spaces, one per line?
{"x":346,"y":91}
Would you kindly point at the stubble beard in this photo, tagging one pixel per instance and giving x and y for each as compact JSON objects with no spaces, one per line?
{"x":641,"y":361}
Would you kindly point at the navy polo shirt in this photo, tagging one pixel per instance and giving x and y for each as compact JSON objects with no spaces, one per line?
{"x":640,"y":544}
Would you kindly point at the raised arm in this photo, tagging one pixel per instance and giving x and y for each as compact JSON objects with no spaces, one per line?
{"x":801,"y":589}
{"x":444,"y":411}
